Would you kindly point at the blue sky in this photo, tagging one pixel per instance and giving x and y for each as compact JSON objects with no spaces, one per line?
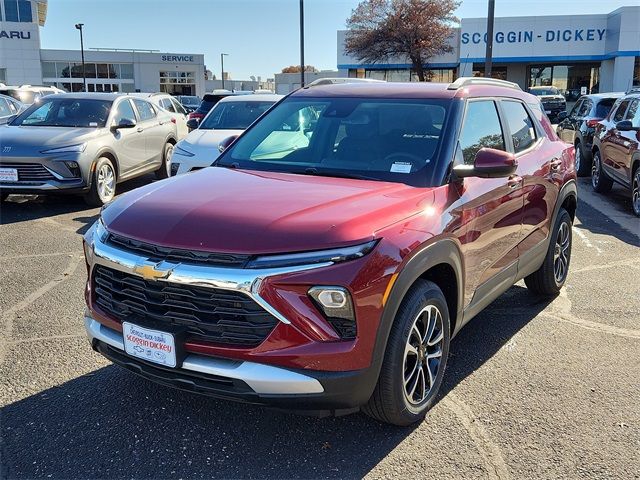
{"x":260,"y":36}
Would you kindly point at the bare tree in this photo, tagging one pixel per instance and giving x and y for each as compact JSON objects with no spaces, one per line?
{"x":416,"y":29}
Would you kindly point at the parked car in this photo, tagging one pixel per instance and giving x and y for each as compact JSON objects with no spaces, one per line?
{"x":333,"y":277}
{"x":578,"y":126}
{"x":552,"y":100}
{"x":170,"y":104}
{"x":208,"y":102}
{"x":616,"y":149}
{"x":189,"y":102}
{"x":28,"y":94}
{"x":9,"y":108}
{"x":227,"y":119}
{"x":84,"y":143}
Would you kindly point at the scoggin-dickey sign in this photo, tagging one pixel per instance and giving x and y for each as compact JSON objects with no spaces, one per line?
{"x":531,"y":37}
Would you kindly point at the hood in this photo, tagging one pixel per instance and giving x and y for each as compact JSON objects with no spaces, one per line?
{"x":250,"y":212}
{"x":208,"y":138}
{"x":40,"y":138}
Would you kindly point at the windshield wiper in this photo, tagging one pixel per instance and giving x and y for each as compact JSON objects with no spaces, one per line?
{"x":335,"y":173}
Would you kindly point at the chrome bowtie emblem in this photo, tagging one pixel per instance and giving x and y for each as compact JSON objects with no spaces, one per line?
{"x":154,"y":271}
{"x":6,"y":149}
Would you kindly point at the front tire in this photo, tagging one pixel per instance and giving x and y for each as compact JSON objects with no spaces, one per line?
{"x":103,"y":185}
{"x":165,"y":169}
{"x":552,"y":275}
{"x":599,"y":180}
{"x":635,"y":192}
{"x":415,"y":358}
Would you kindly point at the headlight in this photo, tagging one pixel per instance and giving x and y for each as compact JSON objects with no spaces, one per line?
{"x":70,"y":149}
{"x":335,"y":255}
{"x":178,"y":150}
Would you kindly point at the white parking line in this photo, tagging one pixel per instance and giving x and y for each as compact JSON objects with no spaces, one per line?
{"x":625,"y":220}
{"x":578,"y":231}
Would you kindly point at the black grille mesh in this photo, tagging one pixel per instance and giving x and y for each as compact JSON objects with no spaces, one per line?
{"x":212,"y":315}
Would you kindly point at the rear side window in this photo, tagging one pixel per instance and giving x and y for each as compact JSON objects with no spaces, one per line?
{"x":622,"y":108}
{"x":145,"y":110}
{"x":585,"y":108}
{"x":167,"y":105}
{"x":5,"y":111}
{"x":604,"y":107}
{"x":481,"y":128}
{"x":633,"y":113}
{"x":523,"y":134}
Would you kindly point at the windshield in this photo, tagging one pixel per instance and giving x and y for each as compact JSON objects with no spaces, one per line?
{"x":192,"y":101}
{"x":65,"y":112}
{"x":377,"y":139}
{"x":545,"y":91}
{"x":234,"y":115}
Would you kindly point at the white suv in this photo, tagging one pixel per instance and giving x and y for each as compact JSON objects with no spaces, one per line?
{"x":28,"y":94}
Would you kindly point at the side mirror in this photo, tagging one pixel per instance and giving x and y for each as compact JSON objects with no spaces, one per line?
{"x":192,"y":124}
{"x":625,"y":126}
{"x":124,"y":123}
{"x":224,"y":144}
{"x":489,"y":163}
{"x":562,"y":116}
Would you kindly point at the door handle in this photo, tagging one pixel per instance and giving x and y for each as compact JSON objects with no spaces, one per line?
{"x":555,"y":164}
{"x":140,"y":129}
{"x":514,"y":181}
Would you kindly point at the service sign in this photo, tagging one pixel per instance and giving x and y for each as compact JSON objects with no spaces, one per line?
{"x":151,"y":345}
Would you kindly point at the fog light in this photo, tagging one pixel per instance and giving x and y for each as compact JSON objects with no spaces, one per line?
{"x":335,"y":303}
{"x":332,"y":298}
{"x":174,"y":169}
{"x":74,"y":168}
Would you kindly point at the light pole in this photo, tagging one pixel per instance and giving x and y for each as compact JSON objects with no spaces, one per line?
{"x":488,"y":56}
{"x":84,"y":75}
{"x":301,"y":43}
{"x":222,"y":55}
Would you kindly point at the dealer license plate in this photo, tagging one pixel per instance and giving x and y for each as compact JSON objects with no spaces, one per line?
{"x":151,"y":345}
{"x":8,"y":175}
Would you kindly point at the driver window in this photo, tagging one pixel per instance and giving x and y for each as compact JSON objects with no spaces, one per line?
{"x":576,"y":108}
{"x":124,"y":112}
{"x":481,"y":128}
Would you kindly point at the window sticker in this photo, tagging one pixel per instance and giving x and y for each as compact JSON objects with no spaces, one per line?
{"x":401,"y":167}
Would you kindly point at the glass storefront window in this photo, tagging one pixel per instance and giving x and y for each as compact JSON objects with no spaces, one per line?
{"x":569,"y":79}
{"x":636,"y":73}
{"x":49,"y":70}
{"x":498,"y":72}
{"x":126,"y":70}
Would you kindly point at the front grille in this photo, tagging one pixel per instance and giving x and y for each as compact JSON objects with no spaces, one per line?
{"x":30,"y":172}
{"x":157,"y":253}
{"x":205,"y":314}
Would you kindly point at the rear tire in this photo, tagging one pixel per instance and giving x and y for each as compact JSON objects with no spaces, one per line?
{"x":164,"y":170}
{"x":415,"y":358}
{"x":599,"y":180}
{"x":635,"y":191}
{"x":103,"y":184}
{"x":583,"y":166}
{"x":552,"y":275}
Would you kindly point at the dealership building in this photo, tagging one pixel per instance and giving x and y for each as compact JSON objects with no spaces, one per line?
{"x":571,"y":52}
{"x":22,"y":61}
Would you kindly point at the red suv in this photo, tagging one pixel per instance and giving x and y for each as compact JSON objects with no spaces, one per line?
{"x":616,"y":149}
{"x":334,"y":249}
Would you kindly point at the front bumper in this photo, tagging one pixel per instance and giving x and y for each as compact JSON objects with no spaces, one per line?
{"x":243,"y":381}
{"x":45,"y":175}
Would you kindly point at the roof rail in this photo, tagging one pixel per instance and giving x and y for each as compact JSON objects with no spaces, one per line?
{"x":635,"y":89}
{"x":339,"y":80}
{"x":467,"y":81}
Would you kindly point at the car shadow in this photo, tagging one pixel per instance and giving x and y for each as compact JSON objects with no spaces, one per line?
{"x":113,"y":424}
{"x":22,"y":208}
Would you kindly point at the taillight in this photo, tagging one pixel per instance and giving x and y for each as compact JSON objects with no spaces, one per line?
{"x":593,"y":122}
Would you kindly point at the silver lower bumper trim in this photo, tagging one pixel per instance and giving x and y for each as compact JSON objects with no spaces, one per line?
{"x":263,"y":379}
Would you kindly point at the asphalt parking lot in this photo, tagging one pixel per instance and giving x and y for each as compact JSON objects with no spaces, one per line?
{"x":534,"y":388}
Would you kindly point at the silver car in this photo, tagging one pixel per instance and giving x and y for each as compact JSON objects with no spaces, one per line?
{"x":84,"y":143}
